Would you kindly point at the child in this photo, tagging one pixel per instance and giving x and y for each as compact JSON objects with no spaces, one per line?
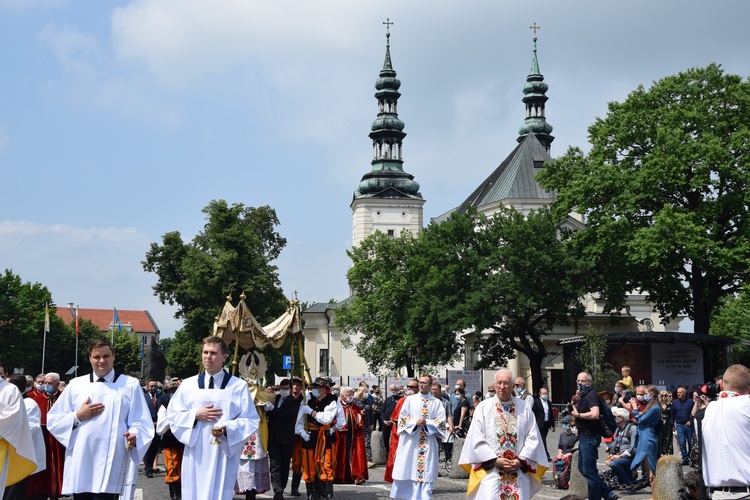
{"x":626,"y":379}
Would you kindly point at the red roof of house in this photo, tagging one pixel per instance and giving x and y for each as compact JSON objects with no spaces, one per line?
{"x":140,"y":321}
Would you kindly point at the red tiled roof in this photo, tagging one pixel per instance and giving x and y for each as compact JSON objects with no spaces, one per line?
{"x":140,"y":321}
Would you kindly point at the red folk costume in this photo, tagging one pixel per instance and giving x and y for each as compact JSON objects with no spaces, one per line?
{"x":351,"y":456}
{"x":394,"y":442}
{"x":48,"y":482}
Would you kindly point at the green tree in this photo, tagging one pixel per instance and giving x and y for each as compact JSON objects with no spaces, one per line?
{"x":22,"y":321}
{"x":184,"y":356}
{"x":591,"y":355}
{"x":379,"y":311}
{"x":664,"y":190}
{"x":233,"y":254}
{"x":732,"y":319}
{"x":515,"y":279}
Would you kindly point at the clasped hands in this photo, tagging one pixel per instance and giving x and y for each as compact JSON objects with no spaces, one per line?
{"x":508,"y":464}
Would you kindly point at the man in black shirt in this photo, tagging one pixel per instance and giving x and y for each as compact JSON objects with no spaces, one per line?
{"x":388,"y":406}
{"x":587,"y":422}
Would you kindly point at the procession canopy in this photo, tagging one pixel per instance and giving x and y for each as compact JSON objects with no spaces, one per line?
{"x":238,"y":323}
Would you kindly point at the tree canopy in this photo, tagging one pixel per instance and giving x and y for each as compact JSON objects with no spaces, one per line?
{"x":233,"y":253}
{"x":509,"y":278}
{"x":665,"y":190}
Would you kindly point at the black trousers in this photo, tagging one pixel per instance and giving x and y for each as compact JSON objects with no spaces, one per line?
{"x":95,"y":496}
{"x":153,"y":450}
{"x":279,"y":457}
{"x":16,"y":491}
{"x":387,"y":438}
{"x":543,"y":431}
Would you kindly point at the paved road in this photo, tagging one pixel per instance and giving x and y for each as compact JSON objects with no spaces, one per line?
{"x":445,"y":489}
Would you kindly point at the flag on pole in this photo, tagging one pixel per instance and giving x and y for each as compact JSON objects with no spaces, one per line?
{"x":76,"y":320}
{"x":46,"y":317}
{"x":116,"y":320}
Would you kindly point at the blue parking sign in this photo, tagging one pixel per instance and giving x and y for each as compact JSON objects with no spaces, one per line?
{"x":286,"y":361}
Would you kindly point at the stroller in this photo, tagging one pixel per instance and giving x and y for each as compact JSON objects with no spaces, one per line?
{"x":561,"y":473}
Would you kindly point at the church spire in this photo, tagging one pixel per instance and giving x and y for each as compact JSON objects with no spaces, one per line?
{"x":534,"y":98}
{"x":387,"y":178}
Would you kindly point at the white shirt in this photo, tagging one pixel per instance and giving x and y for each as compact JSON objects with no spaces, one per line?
{"x":726,"y":442}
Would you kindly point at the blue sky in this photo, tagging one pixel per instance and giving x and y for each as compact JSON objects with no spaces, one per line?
{"x":120,"y":121}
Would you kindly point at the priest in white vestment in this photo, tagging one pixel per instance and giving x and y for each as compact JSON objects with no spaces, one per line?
{"x":421,"y":426}
{"x":102,"y":421}
{"x":17,"y":455}
{"x":216,"y":400}
{"x":503,"y":452}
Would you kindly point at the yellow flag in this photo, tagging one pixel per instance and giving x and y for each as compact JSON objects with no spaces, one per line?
{"x":46,"y":317}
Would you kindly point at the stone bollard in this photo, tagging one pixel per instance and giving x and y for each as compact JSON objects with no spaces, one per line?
{"x":669,"y":478}
{"x":456,"y":471}
{"x":578,"y":484}
{"x":379,"y":456}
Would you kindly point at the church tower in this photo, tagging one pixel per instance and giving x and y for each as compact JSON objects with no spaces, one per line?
{"x":387,"y":198}
{"x":534,"y":98}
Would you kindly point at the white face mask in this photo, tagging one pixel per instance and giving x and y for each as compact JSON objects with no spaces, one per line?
{"x":349,"y":399}
{"x":640,"y":397}
{"x":408,"y":392}
{"x":284,"y":392}
{"x":40,"y":387}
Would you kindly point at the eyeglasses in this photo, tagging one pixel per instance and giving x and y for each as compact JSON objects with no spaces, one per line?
{"x":412,"y":387}
{"x":516,"y":385}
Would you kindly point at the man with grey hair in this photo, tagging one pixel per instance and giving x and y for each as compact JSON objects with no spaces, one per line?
{"x":48,"y":483}
{"x":503,"y":452}
{"x":587,"y":422}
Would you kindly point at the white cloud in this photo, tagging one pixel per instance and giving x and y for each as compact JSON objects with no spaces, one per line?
{"x":71,"y":48}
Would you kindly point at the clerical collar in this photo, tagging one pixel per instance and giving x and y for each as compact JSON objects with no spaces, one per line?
{"x":109,"y":378}
{"x":218,"y":378}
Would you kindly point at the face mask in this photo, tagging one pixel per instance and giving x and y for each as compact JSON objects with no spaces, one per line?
{"x":284,"y":392}
{"x":349,"y":399}
{"x":335,"y":393}
{"x":492,"y":394}
{"x":617,"y":389}
{"x":647,"y":398}
{"x":28,"y":388}
{"x":518,"y":391}
{"x":608,"y":402}
{"x":640,"y":397}
{"x":581,"y":387}
{"x":40,"y":387}
{"x":408,"y":392}
{"x":565,"y":427}
{"x":49,"y":389}
{"x":315,"y":393}
{"x":544,"y":397}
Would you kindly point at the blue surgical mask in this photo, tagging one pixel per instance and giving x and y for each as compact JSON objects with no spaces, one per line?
{"x":647,"y":398}
{"x":518,"y":390}
{"x":315,"y":393}
{"x":544,"y":397}
{"x":565,"y":427}
{"x":49,"y":389}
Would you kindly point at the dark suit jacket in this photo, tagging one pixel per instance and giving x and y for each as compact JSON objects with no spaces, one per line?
{"x":282,"y":419}
{"x":538,"y":410}
{"x":388,"y":406}
{"x":154,"y":409}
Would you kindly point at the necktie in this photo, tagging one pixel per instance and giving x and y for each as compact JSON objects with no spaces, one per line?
{"x":153,"y":400}
{"x":211,"y":383}
{"x":101,"y":379}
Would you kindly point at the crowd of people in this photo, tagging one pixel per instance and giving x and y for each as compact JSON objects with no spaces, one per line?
{"x":222,"y":435}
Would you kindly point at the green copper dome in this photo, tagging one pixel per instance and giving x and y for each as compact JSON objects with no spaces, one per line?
{"x":387,"y":178}
{"x":535,"y":97}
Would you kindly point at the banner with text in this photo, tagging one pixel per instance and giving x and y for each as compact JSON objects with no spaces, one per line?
{"x":473,"y":379}
{"x":676,"y":365}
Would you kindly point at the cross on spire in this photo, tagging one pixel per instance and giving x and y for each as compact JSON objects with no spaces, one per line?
{"x":388,"y":24}
{"x":534,"y":27}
